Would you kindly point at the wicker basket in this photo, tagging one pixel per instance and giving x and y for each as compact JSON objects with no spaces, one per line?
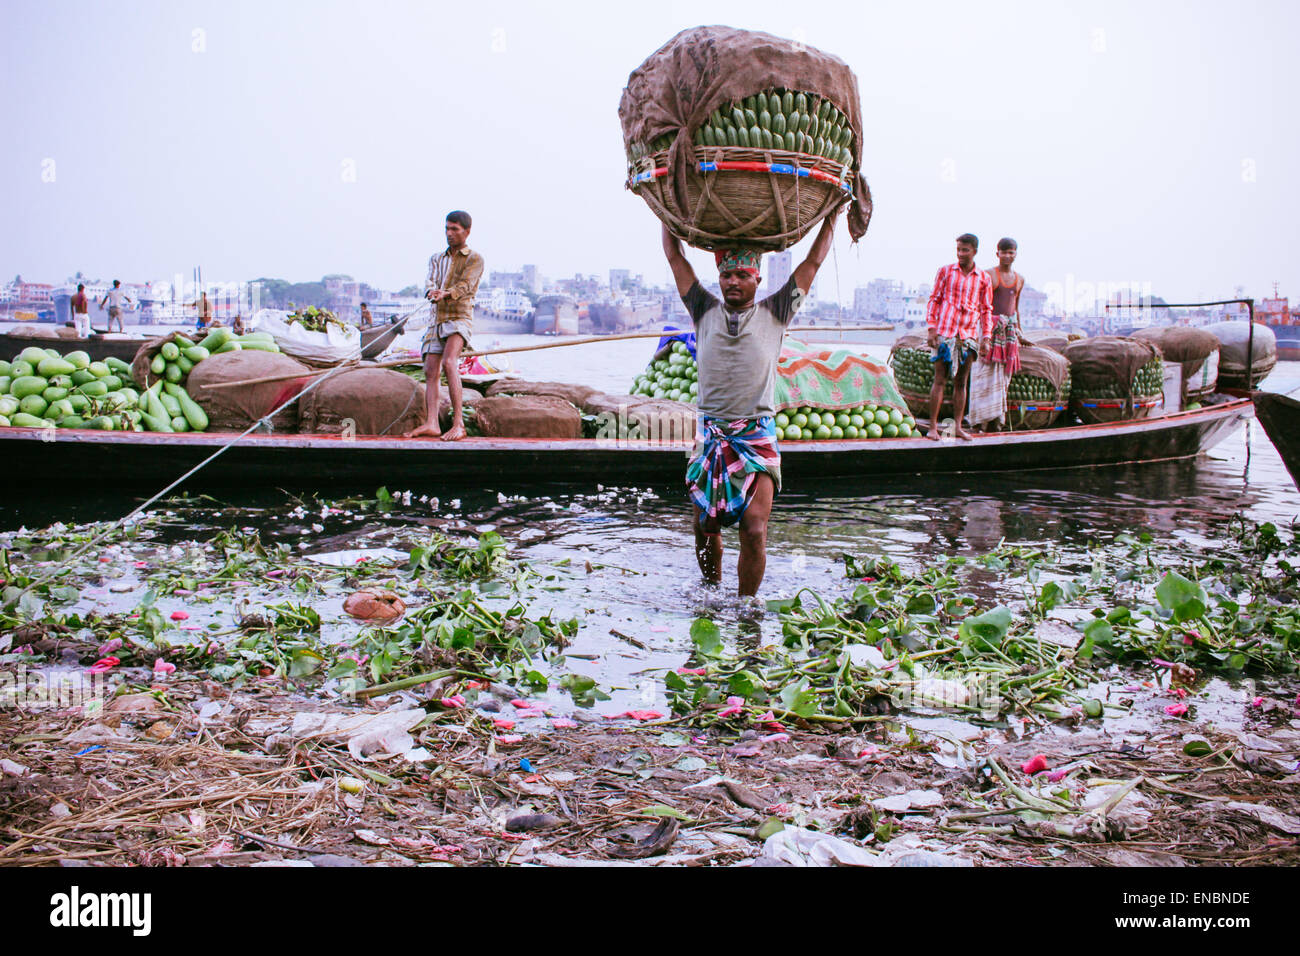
{"x":919,"y":405}
{"x":770,"y":208}
{"x":1029,"y":416}
{"x":1101,"y":411}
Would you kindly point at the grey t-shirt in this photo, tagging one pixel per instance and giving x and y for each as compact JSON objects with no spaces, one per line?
{"x":737,"y":352}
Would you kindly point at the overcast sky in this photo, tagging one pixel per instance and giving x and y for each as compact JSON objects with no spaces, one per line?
{"x":1144,"y":141}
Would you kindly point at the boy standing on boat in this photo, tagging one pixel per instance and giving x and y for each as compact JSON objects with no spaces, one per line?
{"x":735,"y":468}
{"x":80,"y":306}
{"x":959,"y":319}
{"x":991,"y":376}
{"x":450,"y":285}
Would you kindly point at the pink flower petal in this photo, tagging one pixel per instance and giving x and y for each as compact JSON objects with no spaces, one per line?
{"x":734,"y":706}
{"x":180,"y":615}
{"x":455,"y":700}
{"x":508,"y":740}
{"x":1035,"y":764}
{"x":104,"y":664}
{"x":658,"y":628}
{"x":104,"y":559}
{"x":521,"y":703}
{"x":142,"y":564}
{"x":1056,"y":776}
{"x":500,"y":723}
{"x":639,"y":715}
{"x":693,"y":671}
{"x":278,"y":572}
{"x":773,"y":738}
{"x":190,"y":627}
{"x":1176,"y":710}
{"x":183,"y":592}
{"x":109,"y":646}
{"x":1257,"y":703}
{"x":563,"y":723}
{"x":161,"y":666}
{"x":1178,"y":691}
{"x":1187,"y":639}
{"x":1159,"y":663}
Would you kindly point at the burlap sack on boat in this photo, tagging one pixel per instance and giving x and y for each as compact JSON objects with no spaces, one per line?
{"x":700,"y":69}
{"x":145,"y":353}
{"x":1056,"y":341}
{"x":364,"y":401}
{"x":235,"y":409}
{"x":573,"y":394}
{"x":636,"y":417}
{"x":527,"y":416}
{"x":1234,"y":340}
{"x":1195,"y":350}
{"x":1107,"y":363}
{"x":1040,"y":362}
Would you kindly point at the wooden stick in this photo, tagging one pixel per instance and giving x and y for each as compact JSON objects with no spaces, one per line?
{"x":533,"y":348}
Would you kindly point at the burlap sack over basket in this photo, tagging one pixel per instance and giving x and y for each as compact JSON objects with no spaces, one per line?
{"x":1104,"y":363}
{"x":527,"y":416}
{"x":635,"y":417}
{"x":367,"y":401}
{"x":235,"y":409}
{"x":571,"y":393}
{"x":914,"y":394}
{"x":1196,"y":350}
{"x":674,"y":92}
{"x":1234,"y":342}
{"x":1044,"y":363}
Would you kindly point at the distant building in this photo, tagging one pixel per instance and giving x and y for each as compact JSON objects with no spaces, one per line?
{"x":877,"y":296}
{"x":532,"y":282}
{"x":618,"y":278}
{"x":778,"y":270}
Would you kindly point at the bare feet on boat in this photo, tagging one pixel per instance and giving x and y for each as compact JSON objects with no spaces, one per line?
{"x":963,"y":434}
{"x":934,"y":434}
{"x":428,"y":428}
{"x":455,"y":433}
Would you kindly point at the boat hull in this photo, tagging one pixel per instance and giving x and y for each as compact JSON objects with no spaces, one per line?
{"x":141,"y":459}
{"x":1280,"y":417}
{"x":97,"y":348}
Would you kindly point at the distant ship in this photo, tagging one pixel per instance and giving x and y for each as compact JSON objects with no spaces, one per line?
{"x":1285,"y":323}
{"x":555,"y":315}
{"x":623,"y":315}
{"x":510,"y":323}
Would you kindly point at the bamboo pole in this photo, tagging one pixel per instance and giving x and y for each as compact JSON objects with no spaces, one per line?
{"x":396,"y":363}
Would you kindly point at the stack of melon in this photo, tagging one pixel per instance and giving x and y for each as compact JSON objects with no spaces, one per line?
{"x":863,"y":421}
{"x":674,"y":377}
{"x":41,"y":388}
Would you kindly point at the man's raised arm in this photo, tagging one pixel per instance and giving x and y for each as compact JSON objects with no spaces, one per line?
{"x":683,"y":274}
{"x":821,"y":248}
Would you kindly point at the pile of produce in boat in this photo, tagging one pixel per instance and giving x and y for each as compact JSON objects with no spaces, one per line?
{"x":723,"y":127}
{"x":313,"y":319}
{"x":41,"y":388}
{"x":675,"y":376}
{"x":861,"y":421}
{"x":1114,"y":378}
{"x":1040,"y":391}
{"x":914,"y":373}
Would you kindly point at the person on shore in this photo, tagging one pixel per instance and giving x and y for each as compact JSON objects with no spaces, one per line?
{"x":237,"y":326}
{"x":367,"y":320}
{"x":115,"y":297}
{"x":80,"y":306}
{"x":735,"y":467}
{"x":958,"y":320}
{"x":451,"y":284}
{"x":991,"y":376}
{"x":204,"y":320}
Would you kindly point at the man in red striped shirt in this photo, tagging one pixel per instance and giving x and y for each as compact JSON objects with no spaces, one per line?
{"x":959,"y":321}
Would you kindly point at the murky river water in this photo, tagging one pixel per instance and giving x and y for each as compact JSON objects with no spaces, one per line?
{"x":637,"y":541}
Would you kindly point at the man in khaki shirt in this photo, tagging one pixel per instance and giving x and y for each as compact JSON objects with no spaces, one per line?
{"x":451,"y":285}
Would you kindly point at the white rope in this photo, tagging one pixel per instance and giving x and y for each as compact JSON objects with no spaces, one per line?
{"x":121,"y":522}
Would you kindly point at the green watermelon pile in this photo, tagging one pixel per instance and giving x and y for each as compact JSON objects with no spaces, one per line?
{"x":674,"y":377}
{"x":1033,"y":388}
{"x":862,"y":421}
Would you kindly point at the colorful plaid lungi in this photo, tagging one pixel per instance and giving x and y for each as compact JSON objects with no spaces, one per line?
{"x":949,"y":346}
{"x":1004,"y":342}
{"x":720,"y":476}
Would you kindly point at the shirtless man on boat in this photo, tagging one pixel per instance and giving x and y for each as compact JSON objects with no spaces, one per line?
{"x":735,"y":468}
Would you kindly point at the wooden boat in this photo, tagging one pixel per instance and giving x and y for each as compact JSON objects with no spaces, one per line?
{"x":146,"y":460}
{"x":1280,"y":417}
{"x":373,"y":341}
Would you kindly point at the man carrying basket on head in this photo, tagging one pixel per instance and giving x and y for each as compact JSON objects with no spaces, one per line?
{"x":735,"y":468}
